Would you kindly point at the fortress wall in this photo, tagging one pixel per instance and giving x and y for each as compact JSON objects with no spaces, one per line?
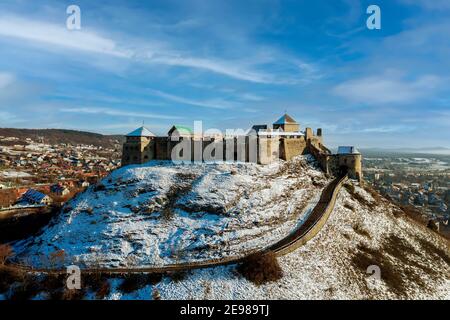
{"x":321,"y":157}
{"x":293,"y":147}
{"x":288,"y":127}
{"x":353,"y":163}
{"x":260,"y":149}
{"x":268,"y":149}
{"x":251,"y":148}
{"x":213,"y":150}
{"x":133,"y":151}
{"x":148,"y":152}
{"x":161,"y":148}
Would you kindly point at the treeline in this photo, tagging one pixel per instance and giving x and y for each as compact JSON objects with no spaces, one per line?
{"x":56,"y":136}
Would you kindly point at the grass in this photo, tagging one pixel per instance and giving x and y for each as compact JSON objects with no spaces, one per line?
{"x":400,"y":263}
{"x":103,"y":290}
{"x":349,"y":206}
{"x":133,"y":282}
{"x":434,"y":250}
{"x":261,"y":268}
{"x":356,"y":195}
{"x":6,"y":252}
{"x":366,"y":256}
{"x":177,"y":276}
{"x":8,"y":276}
{"x":358,"y":228}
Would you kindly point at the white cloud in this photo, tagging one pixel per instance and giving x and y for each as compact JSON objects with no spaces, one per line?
{"x":58,"y":35}
{"x":381,"y":89}
{"x":113,"y":112}
{"x":211,"y":103}
{"x":148,"y":51}
{"x":6,"y":79}
{"x":438,"y":5}
{"x":235,"y":70}
{"x":388,"y":129}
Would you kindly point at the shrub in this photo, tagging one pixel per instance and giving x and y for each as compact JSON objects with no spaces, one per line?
{"x":53,"y":282}
{"x":261,"y":268}
{"x":99,"y":187}
{"x":103,"y":290}
{"x":26,"y":289}
{"x":433,"y":225}
{"x":156,"y":295}
{"x":177,"y":276}
{"x":133,"y":282}
{"x":349,"y":206}
{"x":9,"y":275}
{"x":414,"y":214}
{"x":89,"y":210}
{"x":360,"y":230}
{"x":68,"y":294}
{"x":6,"y":252}
{"x":57,"y":258}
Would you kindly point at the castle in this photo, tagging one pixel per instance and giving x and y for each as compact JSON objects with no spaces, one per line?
{"x":260,"y":144}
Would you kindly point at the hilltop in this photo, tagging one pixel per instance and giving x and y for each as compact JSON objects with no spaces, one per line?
{"x":57,"y":136}
{"x":160,"y":213}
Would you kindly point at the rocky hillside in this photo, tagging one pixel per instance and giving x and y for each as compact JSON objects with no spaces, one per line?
{"x":364,"y":230}
{"x":162,"y":213}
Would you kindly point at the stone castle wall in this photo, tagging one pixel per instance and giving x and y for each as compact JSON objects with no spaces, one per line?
{"x":252,"y":148}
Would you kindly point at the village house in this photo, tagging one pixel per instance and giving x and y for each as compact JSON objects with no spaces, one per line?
{"x":59,"y":190}
{"x":33,"y":197}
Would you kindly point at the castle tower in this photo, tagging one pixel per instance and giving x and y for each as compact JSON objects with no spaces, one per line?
{"x":287,"y":124}
{"x":350,"y":158}
{"x":139,"y":147}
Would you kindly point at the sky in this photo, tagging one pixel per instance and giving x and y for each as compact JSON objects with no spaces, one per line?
{"x":230,"y":64}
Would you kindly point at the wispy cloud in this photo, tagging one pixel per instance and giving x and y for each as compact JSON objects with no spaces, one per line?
{"x":118,"y":113}
{"x":382,"y":89}
{"x":151,"y":51}
{"x":6,"y":79}
{"x":210,"y":103}
{"x":438,"y":5}
{"x":388,"y":129}
{"x":225,"y":68}
{"x":58,"y":35}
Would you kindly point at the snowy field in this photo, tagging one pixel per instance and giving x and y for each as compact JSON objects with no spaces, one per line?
{"x":160,"y":213}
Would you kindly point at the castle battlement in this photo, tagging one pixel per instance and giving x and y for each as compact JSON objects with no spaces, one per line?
{"x":260,"y":144}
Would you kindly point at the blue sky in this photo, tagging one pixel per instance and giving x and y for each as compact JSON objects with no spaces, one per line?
{"x":230,"y":64}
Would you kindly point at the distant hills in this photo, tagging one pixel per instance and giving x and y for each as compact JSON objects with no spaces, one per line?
{"x":55,"y":136}
{"x":424,"y":150}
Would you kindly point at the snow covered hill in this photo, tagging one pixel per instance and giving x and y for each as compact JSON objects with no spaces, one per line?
{"x":161,"y":213}
{"x":362,"y":231}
